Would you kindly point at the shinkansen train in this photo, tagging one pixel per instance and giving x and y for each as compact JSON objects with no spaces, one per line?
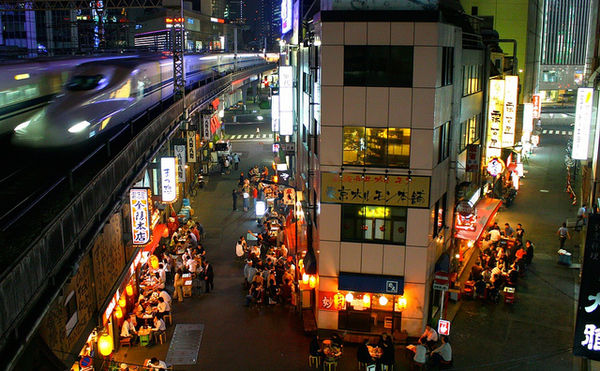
{"x":102,"y":94}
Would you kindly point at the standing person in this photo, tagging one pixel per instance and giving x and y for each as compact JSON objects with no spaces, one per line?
{"x":254,"y":195}
{"x":362,"y":354}
{"x":528,"y":252}
{"x":234,"y":196}
{"x":519,"y":232}
{"x":246,"y":196}
{"x":581,"y":217}
{"x":429,"y":337}
{"x":236,"y":161}
{"x":563,"y":234}
{"x":208,"y":276}
{"x":508,"y":230}
{"x":178,"y":285}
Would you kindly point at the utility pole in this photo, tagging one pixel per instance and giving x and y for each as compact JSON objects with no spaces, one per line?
{"x":178,"y":48}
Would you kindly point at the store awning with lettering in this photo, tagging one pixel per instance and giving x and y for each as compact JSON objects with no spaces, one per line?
{"x":393,"y":285}
{"x":486,"y":209}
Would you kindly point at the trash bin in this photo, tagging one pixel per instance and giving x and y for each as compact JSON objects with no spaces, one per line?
{"x":564,"y":257}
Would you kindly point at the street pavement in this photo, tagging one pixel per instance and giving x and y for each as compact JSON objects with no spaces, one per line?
{"x":535,"y":333}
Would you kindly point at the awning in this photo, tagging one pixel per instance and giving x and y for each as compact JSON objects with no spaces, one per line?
{"x":393,"y":285}
{"x":486,"y":209}
{"x":157,"y":234}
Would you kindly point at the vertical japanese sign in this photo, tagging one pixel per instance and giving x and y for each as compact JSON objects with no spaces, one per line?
{"x":275,"y":113}
{"x":206,"y":126}
{"x":191,"y":146}
{"x":587,"y":325}
{"x":536,"y":100}
{"x":527,"y":122}
{"x":472,"y":158}
{"x":168,"y":177}
{"x":583,"y":119}
{"x":511,"y":88}
{"x":286,"y":100}
{"x":140,"y":215}
{"x":179,"y":151}
{"x":286,"y":16}
{"x":496,"y":107}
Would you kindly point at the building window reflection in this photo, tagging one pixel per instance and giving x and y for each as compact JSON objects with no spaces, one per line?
{"x":377,"y":147}
{"x":362,"y":223}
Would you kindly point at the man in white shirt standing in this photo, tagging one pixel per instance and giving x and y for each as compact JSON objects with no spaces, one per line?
{"x":429,"y":337}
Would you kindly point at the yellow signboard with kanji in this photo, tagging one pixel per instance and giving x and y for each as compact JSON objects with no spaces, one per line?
{"x":375,"y":189}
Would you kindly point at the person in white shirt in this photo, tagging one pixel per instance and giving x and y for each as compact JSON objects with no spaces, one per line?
{"x":420,"y":354}
{"x":429,"y":337}
{"x":159,"y":328}
{"x":162,"y":273}
{"x":495,"y":235}
{"x":128,"y":330}
{"x":165,"y":295}
{"x":192,"y":265}
{"x":156,"y":364}
{"x":443,"y":353}
{"x":163,"y":307}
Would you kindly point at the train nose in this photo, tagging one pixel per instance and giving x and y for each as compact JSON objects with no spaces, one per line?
{"x":43,"y":131}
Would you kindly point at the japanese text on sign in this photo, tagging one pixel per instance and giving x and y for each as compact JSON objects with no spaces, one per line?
{"x":587,"y":327}
{"x":140,"y":211}
{"x":375,"y":189}
{"x":511,"y":87}
{"x":168,"y":176}
{"x":179,"y":151}
{"x":496,"y":107}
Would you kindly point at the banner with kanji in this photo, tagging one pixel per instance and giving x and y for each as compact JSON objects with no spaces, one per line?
{"x":375,"y":189}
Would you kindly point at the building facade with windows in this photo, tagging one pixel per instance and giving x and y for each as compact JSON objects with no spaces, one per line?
{"x":390,"y":122}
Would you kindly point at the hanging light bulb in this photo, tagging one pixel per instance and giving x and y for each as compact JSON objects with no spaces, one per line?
{"x":402,"y":302}
{"x":349,"y":297}
{"x":312,"y":282}
{"x":383,"y":300}
{"x":367,"y":299}
{"x":129,"y":290}
{"x":119,"y":313}
{"x":305,"y":278}
{"x":122,"y":301}
{"x":154,"y":262}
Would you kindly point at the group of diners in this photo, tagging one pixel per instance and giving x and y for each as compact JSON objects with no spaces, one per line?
{"x":432,"y":349}
{"x":503,"y":259}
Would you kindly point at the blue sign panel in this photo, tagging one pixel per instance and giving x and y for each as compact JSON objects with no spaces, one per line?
{"x":392,"y":285}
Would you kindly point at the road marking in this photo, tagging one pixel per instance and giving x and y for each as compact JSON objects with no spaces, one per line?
{"x":245,"y":136}
{"x":264,"y":135}
{"x":564,"y":133}
{"x":545,"y":131}
{"x":550,"y":131}
{"x":570,"y":133}
{"x":270,"y":135}
{"x":544,"y":190}
{"x":251,"y":136}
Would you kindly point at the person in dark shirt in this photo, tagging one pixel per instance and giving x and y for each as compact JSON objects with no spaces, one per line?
{"x":315,"y":347}
{"x":362,"y":354}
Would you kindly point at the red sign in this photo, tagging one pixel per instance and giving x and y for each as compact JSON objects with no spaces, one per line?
{"x":85,"y":361}
{"x":441,"y":278}
{"x":472,"y":158}
{"x":537,"y":110}
{"x":327,"y":300}
{"x":444,"y":327}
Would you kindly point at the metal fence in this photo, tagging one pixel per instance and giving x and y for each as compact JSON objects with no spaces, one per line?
{"x":30,"y":285}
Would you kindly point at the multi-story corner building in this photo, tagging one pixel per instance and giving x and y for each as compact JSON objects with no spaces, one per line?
{"x":386,"y":103}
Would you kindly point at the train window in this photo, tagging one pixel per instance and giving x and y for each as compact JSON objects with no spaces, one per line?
{"x":79,"y":83}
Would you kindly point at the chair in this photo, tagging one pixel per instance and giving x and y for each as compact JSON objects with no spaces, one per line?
{"x":125,"y":341}
{"x":187,"y":291}
{"x":162,"y":337}
{"x":330,"y":365}
{"x":169,"y":317}
{"x":145,"y":340}
{"x":314,"y":361}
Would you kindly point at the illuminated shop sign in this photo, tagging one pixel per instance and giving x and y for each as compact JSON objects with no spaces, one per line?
{"x":511,"y":87}
{"x":286,"y":16}
{"x":286,"y":101}
{"x":527,"y":122}
{"x":139,"y":199}
{"x":375,"y":189}
{"x":168,"y":176}
{"x":537,"y":106}
{"x":191,"y":146}
{"x":583,"y":119}
{"x":179,"y":151}
{"x":496,"y":107}
{"x":275,"y":113}
{"x":495,"y":166}
{"x":587,"y":326}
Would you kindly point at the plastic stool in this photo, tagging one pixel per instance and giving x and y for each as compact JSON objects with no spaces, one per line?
{"x":314,"y":361}
{"x":169,"y":317}
{"x":330,"y":365}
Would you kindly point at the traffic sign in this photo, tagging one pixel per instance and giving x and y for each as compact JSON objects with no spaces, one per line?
{"x":85,"y":361}
{"x":444,"y":327}
{"x":441,"y":281}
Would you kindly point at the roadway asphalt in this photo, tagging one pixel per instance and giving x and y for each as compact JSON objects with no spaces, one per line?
{"x":535,"y":333}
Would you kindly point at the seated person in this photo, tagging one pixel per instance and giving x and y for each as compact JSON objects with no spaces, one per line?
{"x":128,"y":330}
{"x":165,"y":295}
{"x":156,"y":364}
{"x":476,"y":272}
{"x":420,"y":354}
{"x":443,"y":353}
{"x":315,"y":347}
{"x":429,"y":337}
{"x":163,"y":307}
{"x":159,"y":327}
{"x":362,"y":354}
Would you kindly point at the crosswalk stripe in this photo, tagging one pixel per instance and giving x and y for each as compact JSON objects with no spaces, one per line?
{"x":245,"y":136}
{"x":236,"y":136}
{"x":270,"y":135}
{"x":545,"y":131}
{"x":550,"y":131}
{"x":264,"y":135}
{"x":564,"y":133}
{"x":251,"y":136}
{"x":570,"y":133}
